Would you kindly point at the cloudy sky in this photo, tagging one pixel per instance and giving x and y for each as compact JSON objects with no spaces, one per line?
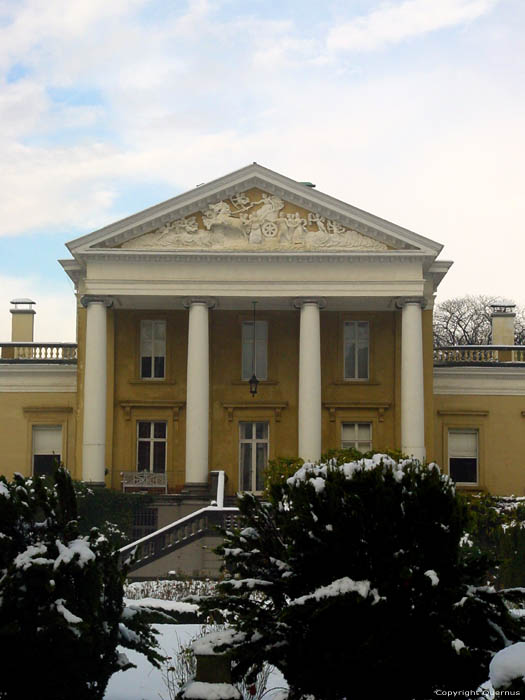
{"x":413,"y":110}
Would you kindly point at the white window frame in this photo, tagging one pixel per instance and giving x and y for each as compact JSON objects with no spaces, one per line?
{"x":154,"y":323}
{"x":347,"y":444}
{"x":261,"y":348}
{"x":353,"y":375}
{"x":152,"y":440}
{"x":45,"y":427}
{"x":470,"y":431}
{"x":253,"y":441}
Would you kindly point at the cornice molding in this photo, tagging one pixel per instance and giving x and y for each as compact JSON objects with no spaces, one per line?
{"x":38,"y":378}
{"x":275,"y":406}
{"x":119,"y":255}
{"x":174,"y":406}
{"x":28,"y":410}
{"x":464,"y":412}
{"x":334,"y":406}
{"x":479,"y":381}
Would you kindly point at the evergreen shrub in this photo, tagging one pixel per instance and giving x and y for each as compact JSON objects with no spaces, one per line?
{"x":61,"y":597}
{"x":356,"y":580}
{"x":111,"y":511}
{"x":497,"y":526}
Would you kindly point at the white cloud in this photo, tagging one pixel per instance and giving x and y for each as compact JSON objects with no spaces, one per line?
{"x":391,"y":24}
{"x":434,"y":147}
{"x":22,"y":106}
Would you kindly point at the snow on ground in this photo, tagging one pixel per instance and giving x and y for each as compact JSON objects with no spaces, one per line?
{"x":146,"y":683}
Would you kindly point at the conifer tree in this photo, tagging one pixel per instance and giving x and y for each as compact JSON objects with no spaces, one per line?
{"x":355,"y":580}
{"x":61,"y":597}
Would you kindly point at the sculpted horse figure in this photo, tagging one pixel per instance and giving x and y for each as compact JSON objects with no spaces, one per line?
{"x":219,"y":218}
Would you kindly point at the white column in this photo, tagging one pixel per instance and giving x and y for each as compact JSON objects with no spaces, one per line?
{"x":309,"y":380}
{"x":95,"y":379}
{"x":412,"y":386}
{"x":198,"y":392}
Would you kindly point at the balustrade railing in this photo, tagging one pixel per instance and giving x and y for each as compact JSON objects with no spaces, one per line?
{"x":198,"y":524}
{"x":144,"y":480}
{"x":39,"y":352}
{"x":478,"y":354}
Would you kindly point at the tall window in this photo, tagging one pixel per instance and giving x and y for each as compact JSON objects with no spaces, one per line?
{"x":47,"y":448}
{"x":356,"y":345}
{"x":151,"y":446}
{"x":253,"y":443}
{"x":463,"y":456}
{"x":261,"y":350}
{"x":152,"y":349}
{"x":357,"y":435}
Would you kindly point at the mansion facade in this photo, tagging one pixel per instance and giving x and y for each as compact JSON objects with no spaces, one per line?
{"x":251,"y":318}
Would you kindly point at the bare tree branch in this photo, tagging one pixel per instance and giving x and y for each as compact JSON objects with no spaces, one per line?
{"x":467,"y":321}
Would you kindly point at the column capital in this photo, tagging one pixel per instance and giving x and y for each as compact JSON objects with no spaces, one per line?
{"x":88,"y":299}
{"x":299,"y":302}
{"x":210,"y":302}
{"x":401,"y":302}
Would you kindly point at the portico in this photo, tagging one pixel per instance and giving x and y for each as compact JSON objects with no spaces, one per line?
{"x":342,"y":333}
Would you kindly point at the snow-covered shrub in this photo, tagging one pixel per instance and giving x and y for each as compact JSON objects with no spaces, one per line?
{"x":353,"y":579}
{"x":111,"y":511}
{"x":61,"y":597}
{"x":507,"y":671}
{"x":170,"y":589}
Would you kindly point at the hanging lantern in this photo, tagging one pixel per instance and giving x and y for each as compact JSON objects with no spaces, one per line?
{"x":254,"y":383}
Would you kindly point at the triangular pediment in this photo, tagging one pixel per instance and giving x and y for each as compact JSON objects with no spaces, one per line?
{"x":253,"y":210}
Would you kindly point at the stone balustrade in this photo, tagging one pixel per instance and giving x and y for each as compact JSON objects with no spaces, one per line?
{"x":144,"y":480}
{"x":54,"y":352}
{"x":190,"y":528}
{"x":478,"y":354}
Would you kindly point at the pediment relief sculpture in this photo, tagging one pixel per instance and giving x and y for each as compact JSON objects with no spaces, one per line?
{"x":254,"y":221}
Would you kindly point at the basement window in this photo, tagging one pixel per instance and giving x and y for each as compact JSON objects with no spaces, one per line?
{"x":145,"y":521}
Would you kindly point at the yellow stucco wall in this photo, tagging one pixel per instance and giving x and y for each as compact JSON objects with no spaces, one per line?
{"x":501,"y":442}
{"x":19,"y":412}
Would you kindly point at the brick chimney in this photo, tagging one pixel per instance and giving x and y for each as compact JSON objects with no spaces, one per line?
{"x":23,"y":320}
